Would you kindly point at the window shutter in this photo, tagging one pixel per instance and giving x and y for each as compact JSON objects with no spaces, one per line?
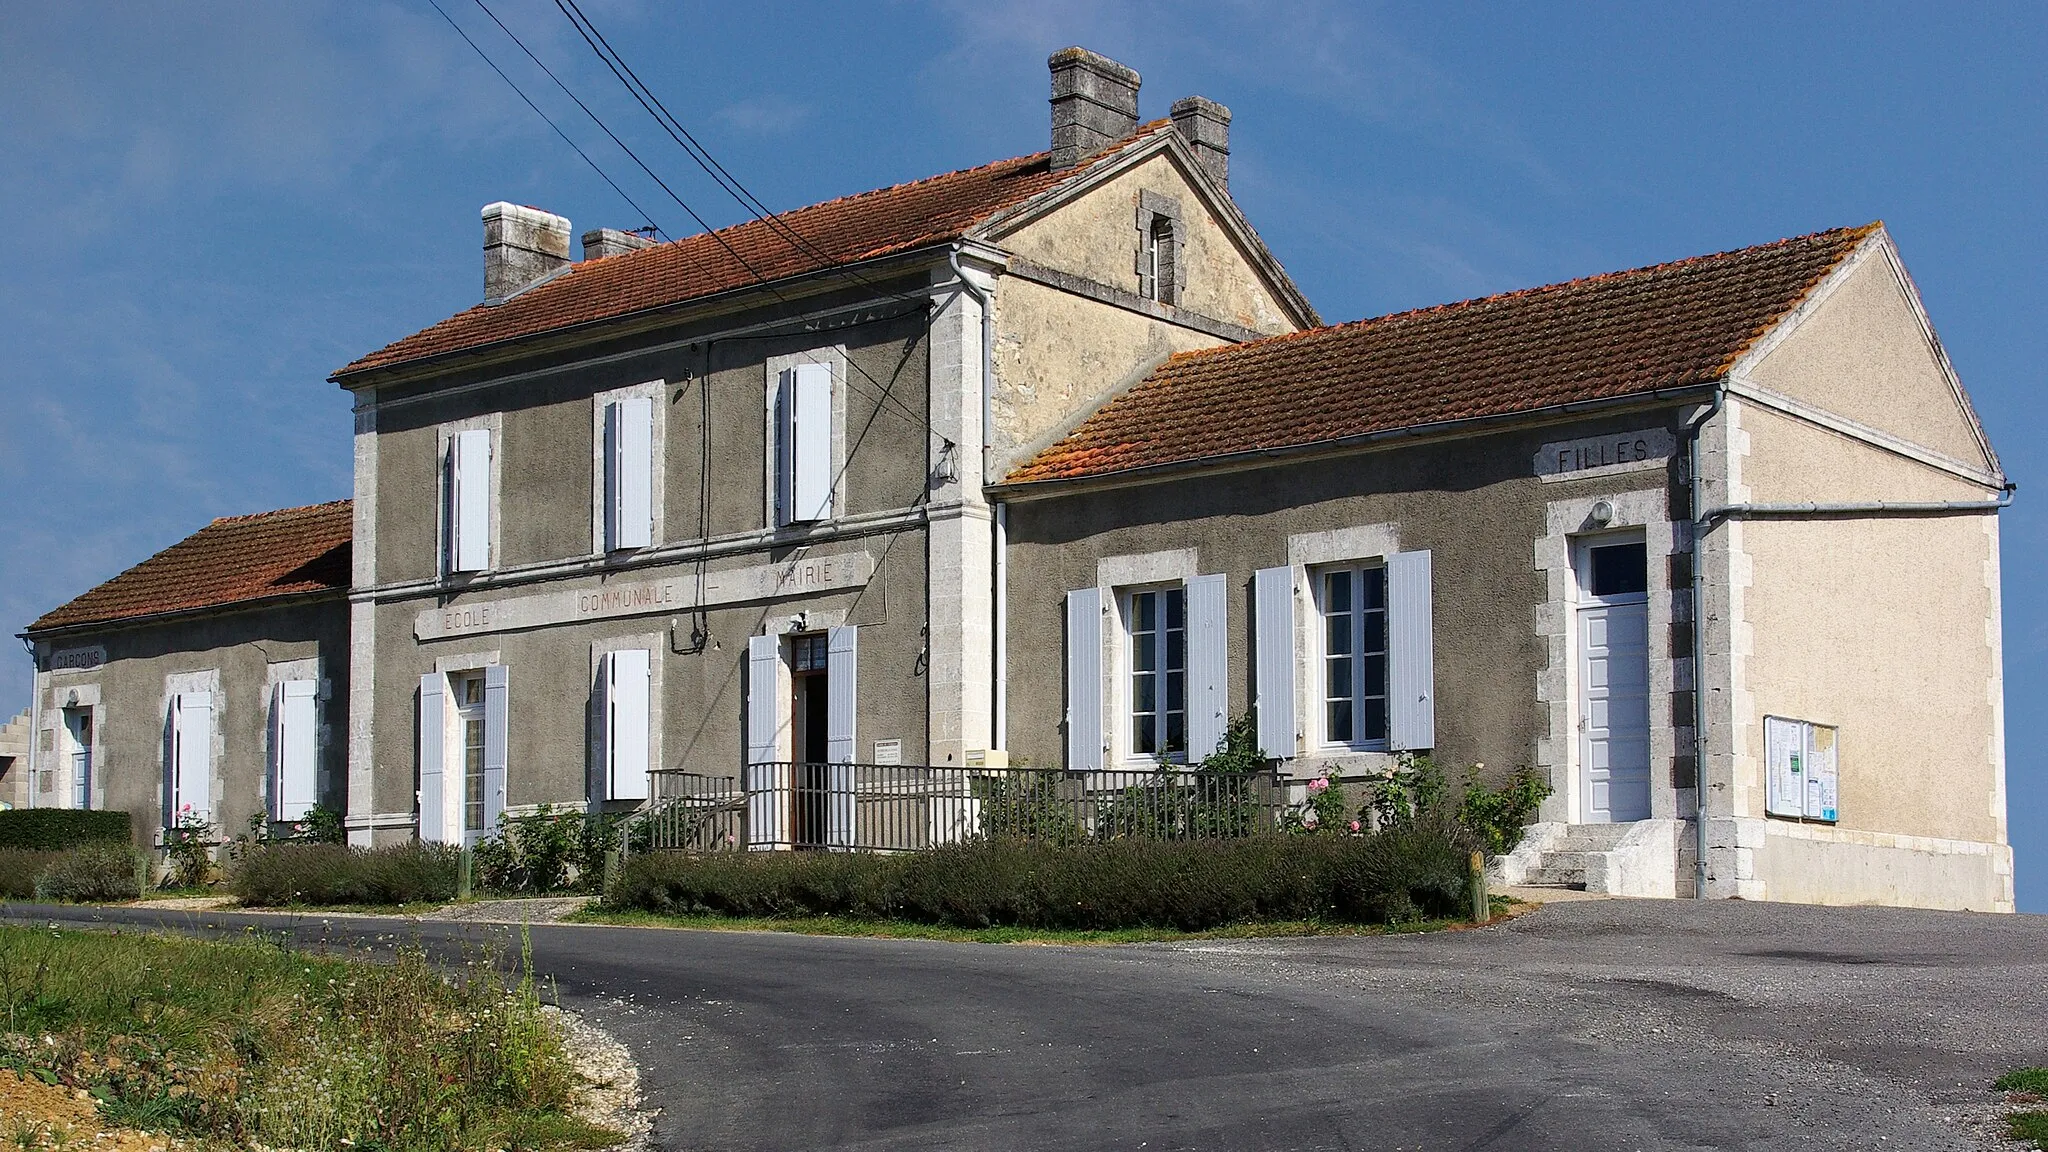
{"x":1411,"y":667}
{"x":469,"y":500}
{"x":767,"y":782}
{"x":1208,"y":665}
{"x":295,"y":787}
{"x":1084,"y":679}
{"x":433,"y":746}
{"x":785,"y":446}
{"x":629,"y":473}
{"x":811,"y":487}
{"x":497,"y":741}
{"x":626,"y":712}
{"x":841,"y":679}
{"x":1273,"y":609}
{"x":192,"y":756}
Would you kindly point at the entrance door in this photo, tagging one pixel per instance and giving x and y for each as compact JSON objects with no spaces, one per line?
{"x":1614,"y":681}
{"x":810,"y":683}
{"x":469,"y":713}
{"x":78,"y":728}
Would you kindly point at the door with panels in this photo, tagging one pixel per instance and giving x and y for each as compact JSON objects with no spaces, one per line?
{"x":1612,"y":635}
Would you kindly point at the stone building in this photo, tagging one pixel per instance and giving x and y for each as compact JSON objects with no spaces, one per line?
{"x":1047,"y":460}
{"x":205,"y":684}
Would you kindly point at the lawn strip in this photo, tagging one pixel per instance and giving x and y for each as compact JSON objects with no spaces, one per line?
{"x":911,"y":930}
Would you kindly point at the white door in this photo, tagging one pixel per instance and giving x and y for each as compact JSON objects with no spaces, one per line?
{"x":1614,"y":683}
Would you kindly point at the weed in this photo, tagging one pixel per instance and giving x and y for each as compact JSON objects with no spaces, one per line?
{"x":2033,"y":1080}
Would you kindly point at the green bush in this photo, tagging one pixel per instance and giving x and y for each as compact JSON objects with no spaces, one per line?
{"x":19,"y":868}
{"x":55,"y":829}
{"x":1500,"y":816}
{"x":531,"y":854}
{"x":92,"y":873}
{"x":296,"y":873}
{"x":1419,"y":871}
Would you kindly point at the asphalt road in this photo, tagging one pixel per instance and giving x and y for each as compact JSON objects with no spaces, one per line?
{"x":1586,"y":1026}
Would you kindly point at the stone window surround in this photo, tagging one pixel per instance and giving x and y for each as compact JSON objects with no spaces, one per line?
{"x":1152,"y":207}
{"x":1568,"y":522}
{"x":56,"y":742}
{"x":1115,"y":575}
{"x":657,"y":391}
{"x":208,"y":681}
{"x":492,"y":422}
{"x":834,"y":357}
{"x":1354,"y":544}
{"x":654,"y":643}
{"x":275,"y":673}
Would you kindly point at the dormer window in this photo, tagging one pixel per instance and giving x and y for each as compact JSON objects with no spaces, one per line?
{"x":1160,"y":275}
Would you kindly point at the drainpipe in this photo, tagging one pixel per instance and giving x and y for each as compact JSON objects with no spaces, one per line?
{"x":999,"y":592}
{"x":1865,"y":510}
{"x":1701,"y":526}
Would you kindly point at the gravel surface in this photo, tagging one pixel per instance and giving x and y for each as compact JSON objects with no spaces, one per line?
{"x":1614,"y":1024}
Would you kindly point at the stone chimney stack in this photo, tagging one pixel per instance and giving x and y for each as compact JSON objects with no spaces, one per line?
{"x":1205,"y":125}
{"x":599,"y":243}
{"x":1094,"y":105}
{"x":521,"y":245}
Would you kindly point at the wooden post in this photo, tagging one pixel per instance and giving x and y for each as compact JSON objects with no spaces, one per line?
{"x":611,"y":870}
{"x":465,"y":874}
{"x":1481,"y":910}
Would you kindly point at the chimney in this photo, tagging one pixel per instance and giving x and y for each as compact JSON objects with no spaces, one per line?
{"x":1205,"y":125}
{"x":599,"y":243}
{"x":521,"y":245}
{"x":1094,"y":105}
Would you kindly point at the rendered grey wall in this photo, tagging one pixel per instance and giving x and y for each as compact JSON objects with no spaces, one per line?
{"x":240,"y":645}
{"x":1474,"y":503}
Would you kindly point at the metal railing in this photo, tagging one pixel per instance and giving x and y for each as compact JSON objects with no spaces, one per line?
{"x":785,"y":805}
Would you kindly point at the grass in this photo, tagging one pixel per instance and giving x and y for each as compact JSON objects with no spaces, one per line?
{"x":248,"y":1041}
{"x":2028,"y":1127}
{"x":913,"y":930}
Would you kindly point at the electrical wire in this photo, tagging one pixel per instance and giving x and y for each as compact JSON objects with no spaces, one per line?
{"x":644,"y":214}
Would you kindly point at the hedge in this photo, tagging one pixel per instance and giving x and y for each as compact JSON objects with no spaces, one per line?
{"x":55,"y":829}
{"x":99,"y":871}
{"x":276,"y":874}
{"x":1408,"y":873}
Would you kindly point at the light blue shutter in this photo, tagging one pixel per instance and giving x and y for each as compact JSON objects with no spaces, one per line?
{"x":841,"y":670}
{"x":497,"y":740}
{"x":767,"y":783}
{"x":1084,"y":679}
{"x":629,"y":473}
{"x":433,"y":746}
{"x":295,"y":788}
{"x":1273,"y":609}
{"x":1411,"y":660}
{"x":811,"y":487}
{"x":785,"y":445}
{"x":1208,"y":664}
{"x":469,"y":497}
{"x":192,"y":757}
{"x":625,"y":711}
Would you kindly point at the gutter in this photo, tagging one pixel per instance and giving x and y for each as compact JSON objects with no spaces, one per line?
{"x":1699,"y":647}
{"x":999,"y":680}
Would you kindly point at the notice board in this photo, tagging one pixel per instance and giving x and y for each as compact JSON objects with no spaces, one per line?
{"x":1801,"y":767}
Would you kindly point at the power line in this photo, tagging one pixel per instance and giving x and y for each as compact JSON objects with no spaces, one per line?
{"x":645,"y":96}
{"x":644,"y":215}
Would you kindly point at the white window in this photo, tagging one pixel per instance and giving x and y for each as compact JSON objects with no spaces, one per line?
{"x":803,"y":444}
{"x":78,"y":734}
{"x":463,"y":743}
{"x":628,"y":473}
{"x":294,"y":749}
{"x":1352,"y":677}
{"x":469,"y":721}
{"x":189,"y":773}
{"x":466,"y":495}
{"x":623,"y":711}
{"x":1162,"y":251}
{"x":1156,"y":701}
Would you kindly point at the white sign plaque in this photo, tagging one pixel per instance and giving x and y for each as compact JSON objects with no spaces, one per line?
{"x":799,"y":577}
{"x":1600,"y":455}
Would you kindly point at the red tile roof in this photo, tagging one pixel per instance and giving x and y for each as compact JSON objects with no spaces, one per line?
{"x":230,"y":561}
{"x":863,"y":227}
{"x":1665,"y":326}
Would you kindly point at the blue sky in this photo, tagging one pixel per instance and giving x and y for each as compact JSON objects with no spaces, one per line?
{"x":215,"y":204}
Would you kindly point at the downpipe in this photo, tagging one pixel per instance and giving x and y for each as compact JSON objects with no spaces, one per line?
{"x":1699,"y":645}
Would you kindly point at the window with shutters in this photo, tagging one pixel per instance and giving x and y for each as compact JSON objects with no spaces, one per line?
{"x":627,"y":469}
{"x":1156,"y":701}
{"x":1352,"y":674}
{"x":294,"y":748}
{"x":466,"y":501}
{"x":805,"y":469}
